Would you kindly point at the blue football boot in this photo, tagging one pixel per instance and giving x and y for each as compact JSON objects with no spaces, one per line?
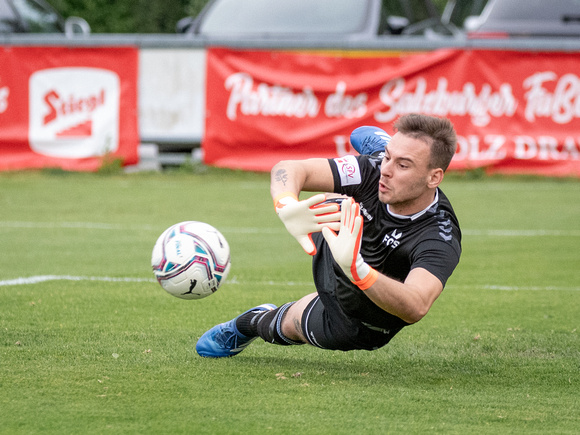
{"x":224,"y":339}
{"x":369,"y":140}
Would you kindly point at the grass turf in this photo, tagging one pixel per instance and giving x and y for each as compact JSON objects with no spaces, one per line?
{"x":96,"y":346}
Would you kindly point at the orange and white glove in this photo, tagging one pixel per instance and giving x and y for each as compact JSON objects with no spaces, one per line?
{"x":302,"y":218}
{"x":345,"y":246}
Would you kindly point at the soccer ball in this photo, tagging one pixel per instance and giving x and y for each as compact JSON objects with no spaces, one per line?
{"x":191,"y":260}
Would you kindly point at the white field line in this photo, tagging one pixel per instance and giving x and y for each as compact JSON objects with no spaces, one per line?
{"x":120,"y":227}
{"x":522,"y":233}
{"x":43,"y":278}
{"x":256,"y":230}
{"x":234,"y":281}
{"x":513,"y":288}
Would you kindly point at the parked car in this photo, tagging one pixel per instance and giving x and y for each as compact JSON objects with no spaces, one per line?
{"x":37,"y":16}
{"x":343,"y":19}
{"x":457,"y":11}
{"x":526,"y":18}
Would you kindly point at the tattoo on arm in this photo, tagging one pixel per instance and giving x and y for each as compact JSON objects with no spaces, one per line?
{"x":281,"y":176}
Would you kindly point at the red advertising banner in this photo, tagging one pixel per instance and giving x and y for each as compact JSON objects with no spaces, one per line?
{"x":67,"y":108}
{"x":515,"y":112}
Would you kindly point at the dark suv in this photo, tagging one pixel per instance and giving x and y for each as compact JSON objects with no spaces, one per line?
{"x":37,"y":16}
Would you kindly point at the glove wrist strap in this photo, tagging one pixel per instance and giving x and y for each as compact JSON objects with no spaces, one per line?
{"x":368,"y":280}
{"x":281,"y":199}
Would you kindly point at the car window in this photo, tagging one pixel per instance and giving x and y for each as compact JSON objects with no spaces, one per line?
{"x":456,"y":11}
{"x":8,"y":20}
{"x":285,"y":17}
{"x":37,"y":18}
{"x":413,"y":10}
{"x":525,"y":18}
{"x":534,"y":9}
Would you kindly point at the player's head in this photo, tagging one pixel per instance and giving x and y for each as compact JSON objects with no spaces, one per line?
{"x":438,"y":133}
{"x":414,"y":162}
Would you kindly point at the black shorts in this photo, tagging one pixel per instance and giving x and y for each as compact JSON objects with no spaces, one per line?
{"x":325,"y":325}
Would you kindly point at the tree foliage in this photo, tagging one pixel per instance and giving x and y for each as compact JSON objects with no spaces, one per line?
{"x":130,"y":16}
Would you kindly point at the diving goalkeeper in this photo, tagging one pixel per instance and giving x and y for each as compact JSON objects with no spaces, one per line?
{"x":382,"y":252}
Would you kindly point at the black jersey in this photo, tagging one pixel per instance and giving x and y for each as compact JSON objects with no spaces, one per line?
{"x":393,"y":245}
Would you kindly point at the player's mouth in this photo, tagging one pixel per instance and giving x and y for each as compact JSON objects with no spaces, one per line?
{"x":383,"y":187}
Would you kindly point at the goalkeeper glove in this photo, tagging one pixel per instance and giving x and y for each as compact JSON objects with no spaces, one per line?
{"x":345,"y":246}
{"x":302,"y":218}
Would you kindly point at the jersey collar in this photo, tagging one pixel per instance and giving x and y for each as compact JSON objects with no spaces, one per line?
{"x":418,"y":214}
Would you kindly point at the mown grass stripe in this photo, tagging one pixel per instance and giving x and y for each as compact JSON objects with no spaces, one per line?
{"x":257,"y":230}
{"x":234,"y":281}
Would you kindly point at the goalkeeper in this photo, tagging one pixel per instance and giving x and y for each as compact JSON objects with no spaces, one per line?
{"x":382,"y":252}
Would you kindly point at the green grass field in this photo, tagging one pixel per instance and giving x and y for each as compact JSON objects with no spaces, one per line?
{"x":89,"y":343}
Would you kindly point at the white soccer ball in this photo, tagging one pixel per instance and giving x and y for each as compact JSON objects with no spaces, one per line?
{"x":191,"y":260}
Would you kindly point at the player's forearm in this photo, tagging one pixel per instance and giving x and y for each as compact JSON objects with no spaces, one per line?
{"x":296,"y":176}
{"x":399,"y":299}
{"x":286,"y":176}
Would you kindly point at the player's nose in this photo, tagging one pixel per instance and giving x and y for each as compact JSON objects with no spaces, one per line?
{"x":386,"y":168}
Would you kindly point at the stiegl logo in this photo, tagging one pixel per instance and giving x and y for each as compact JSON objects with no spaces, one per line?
{"x":74,"y":112}
{"x":58,"y":106}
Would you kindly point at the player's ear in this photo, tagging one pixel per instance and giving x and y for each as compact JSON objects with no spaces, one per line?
{"x":435,"y":178}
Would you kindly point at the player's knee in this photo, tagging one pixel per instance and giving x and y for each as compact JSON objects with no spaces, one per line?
{"x":292,"y":322}
{"x":272,"y":325}
{"x":291,"y":326}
